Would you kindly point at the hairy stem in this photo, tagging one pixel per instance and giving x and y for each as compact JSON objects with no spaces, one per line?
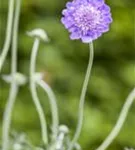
{"x":54,"y":108}
{"x":122,"y":117}
{"x":34,"y":91}
{"x":8,"y":33}
{"x":14,"y":87}
{"x":82,"y":98}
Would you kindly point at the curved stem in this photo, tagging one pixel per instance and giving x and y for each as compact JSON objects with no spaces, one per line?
{"x":122,"y":117}
{"x":34,"y":91}
{"x":7,"y":116}
{"x":14,"y":87}
{"x":54,"y":108}
{"x":82,"y":98}
{"x":8,"y":33}
{"x":15,"y":37}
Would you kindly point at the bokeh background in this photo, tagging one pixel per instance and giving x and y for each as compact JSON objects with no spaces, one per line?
{"x":64,"y":63}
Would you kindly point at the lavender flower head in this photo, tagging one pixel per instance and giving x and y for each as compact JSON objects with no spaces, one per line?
{"x":86,"y":19}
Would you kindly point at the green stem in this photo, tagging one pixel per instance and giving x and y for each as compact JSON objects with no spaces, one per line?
{"x":8,"y":33}
{"x":54,"y":108}
{"x":122,"y":117}
{"x":34,"y":91}
{"x":82,"y":98}
{"x":14,"y":87}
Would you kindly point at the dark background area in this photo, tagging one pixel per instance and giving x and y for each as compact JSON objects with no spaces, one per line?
{"x":64,"y":63}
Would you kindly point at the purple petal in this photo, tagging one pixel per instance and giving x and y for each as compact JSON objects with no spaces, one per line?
{"x":86,"y":39}
{"x":74,"y":35}
{"x":104,"y":8}
{"x":69,"y":4}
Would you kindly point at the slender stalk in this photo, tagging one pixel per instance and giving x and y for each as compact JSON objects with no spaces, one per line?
{"x":122,"y":117}
{"x":54,"y":108}
{"x":7,"y":116}
{"x":34,"y":91}
{"x":8,"y":33}
{"x":14,"y":86}
{"x":82,"y":98}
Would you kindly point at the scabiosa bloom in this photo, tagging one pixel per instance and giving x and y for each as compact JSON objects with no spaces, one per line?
{"x":86,"y":19}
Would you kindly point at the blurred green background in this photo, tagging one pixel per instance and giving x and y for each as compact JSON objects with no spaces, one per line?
{"x":64,"y":63}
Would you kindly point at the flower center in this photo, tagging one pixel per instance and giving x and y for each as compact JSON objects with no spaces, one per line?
{"x":86,"y":18}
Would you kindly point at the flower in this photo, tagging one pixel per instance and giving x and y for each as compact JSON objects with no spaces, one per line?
{"x":86,"y":19}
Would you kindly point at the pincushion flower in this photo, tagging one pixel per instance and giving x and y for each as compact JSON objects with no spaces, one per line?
{"x":86,"y":19}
